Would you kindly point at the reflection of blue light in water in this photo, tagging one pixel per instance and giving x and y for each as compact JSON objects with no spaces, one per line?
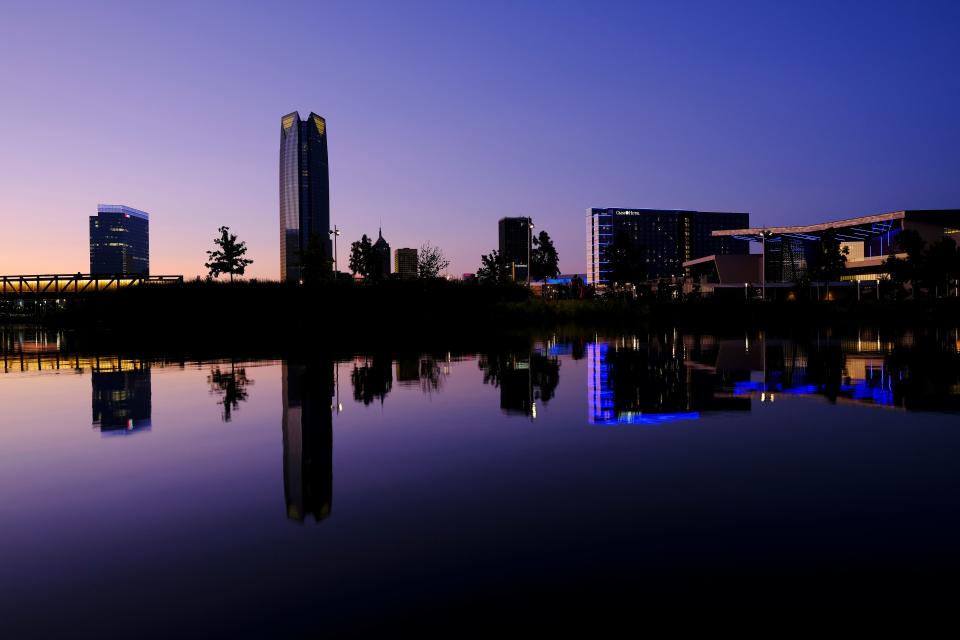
{"x":802,"y":390}
{"x":560,"y":349}
{"x":600,"y":395}
{"x":632,"y":417}
{"x":865,"y":392}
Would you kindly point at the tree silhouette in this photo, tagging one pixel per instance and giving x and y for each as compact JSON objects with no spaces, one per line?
{"x":544,"y":260}
{"x":923,"y":266}
{"x":229,"y":257}
{"x":430,"y":261}
{"x":231,"y":386}
{"x":362,"y":257}
{"x":830,"y":258}
{"x":315,"y":264}
{"x":491,"y":269}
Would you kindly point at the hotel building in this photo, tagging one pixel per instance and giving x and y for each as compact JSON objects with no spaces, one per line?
{"x":660,"y":240}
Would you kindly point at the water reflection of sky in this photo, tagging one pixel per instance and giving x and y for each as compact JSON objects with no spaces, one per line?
{"x":379,"y":486}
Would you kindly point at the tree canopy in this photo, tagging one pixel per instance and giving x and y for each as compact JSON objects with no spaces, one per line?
{"x":229,"y":258}
{"x":315,"y":264}
{"x":544,"y":260}
{"x":431,"y":262}
{"x":829,"y":258}
{"x":925,"y":267}
{"x":362,"y":259}
{"x":491,"y":269}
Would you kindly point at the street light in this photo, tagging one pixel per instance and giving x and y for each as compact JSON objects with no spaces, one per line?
{"x":763,"y":263}
{"x":529,"y":245}
{"x":336,"y":266}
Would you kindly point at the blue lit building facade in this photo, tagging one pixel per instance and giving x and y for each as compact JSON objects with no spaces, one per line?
{"x":659,"y":241}
{"x":119,"y":241}
{"x":304,"y":190}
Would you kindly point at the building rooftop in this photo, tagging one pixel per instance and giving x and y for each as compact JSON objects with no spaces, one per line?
{"x":122,"y":208}
{"x":856,"y":228}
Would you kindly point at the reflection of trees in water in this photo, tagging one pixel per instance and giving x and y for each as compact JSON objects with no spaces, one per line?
{"x":427,"y":371}
{"x":372,"y":380}
{"x":926,"y":375}
{"x":431,"y":373}
{"x":521,"y":377}
{"x":231,"y":386}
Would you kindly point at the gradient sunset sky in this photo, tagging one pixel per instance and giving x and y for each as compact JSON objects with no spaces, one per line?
{"x":445,"y":116}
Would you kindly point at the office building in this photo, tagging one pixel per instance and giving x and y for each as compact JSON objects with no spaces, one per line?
{"x":381,"y":251}
{"x":304,"y":190}
{"x":516,"y":235}
{"x":119,"y":241}
{"x":405,"y":263}
{"x":656,"y":242}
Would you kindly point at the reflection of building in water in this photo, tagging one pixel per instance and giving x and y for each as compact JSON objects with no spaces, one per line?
{"x":121,"y":401}
{"x":630,"y":382}
{"x":308,"y":439}
{"x":905,"y":372}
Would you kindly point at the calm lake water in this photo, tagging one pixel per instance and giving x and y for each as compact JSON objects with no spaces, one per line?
{"x":561,"y":480}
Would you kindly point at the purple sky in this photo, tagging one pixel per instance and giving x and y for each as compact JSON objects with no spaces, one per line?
{"x":444,"y":117}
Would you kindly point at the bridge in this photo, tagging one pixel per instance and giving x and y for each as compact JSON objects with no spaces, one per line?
{"x":58,"y":285}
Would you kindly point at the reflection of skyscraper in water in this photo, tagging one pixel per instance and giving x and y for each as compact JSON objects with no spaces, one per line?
{"x":649,"y":383}
{"x":308,"y":439}
{"x":121,"y":401}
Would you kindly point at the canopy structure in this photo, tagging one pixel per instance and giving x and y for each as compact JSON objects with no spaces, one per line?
{"x":868,"y":240}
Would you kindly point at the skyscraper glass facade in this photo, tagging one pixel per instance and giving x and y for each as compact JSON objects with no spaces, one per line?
{"x":304,"y":190}
{"x":660,"y":240}
{"x":119,"y":241}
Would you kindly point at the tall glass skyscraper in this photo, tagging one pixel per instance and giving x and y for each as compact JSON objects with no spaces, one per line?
{"x":119,"y":241}
{"x":304,"y":190}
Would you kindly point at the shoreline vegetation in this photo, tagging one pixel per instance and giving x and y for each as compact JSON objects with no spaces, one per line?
{"x":239,"y":315}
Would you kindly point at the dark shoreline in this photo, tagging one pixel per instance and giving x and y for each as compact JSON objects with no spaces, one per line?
{"x":271,"y":318}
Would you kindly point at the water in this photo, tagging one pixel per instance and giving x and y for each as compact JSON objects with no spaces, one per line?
{"x":560,"y":480}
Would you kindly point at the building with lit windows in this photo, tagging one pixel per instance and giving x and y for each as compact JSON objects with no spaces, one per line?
{"x":304,"y":190}
{"x":516,"y":236}
{"x":659,"y":241}
{"x":405,"y":263}
{"x":119,"y":241}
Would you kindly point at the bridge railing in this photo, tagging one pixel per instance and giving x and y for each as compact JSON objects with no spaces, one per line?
{"x":69,"y":284}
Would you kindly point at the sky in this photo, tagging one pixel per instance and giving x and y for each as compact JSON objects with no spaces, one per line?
{"x":443,"y":117}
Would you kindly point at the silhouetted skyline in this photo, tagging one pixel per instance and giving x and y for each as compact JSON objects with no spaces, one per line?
{"x":447,"y":119}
